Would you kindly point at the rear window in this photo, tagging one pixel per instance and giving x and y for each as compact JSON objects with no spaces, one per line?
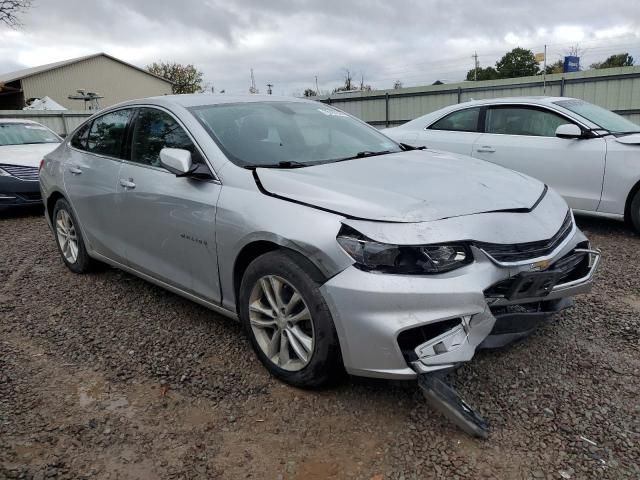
{"x":26,"y":134}
{"x":460,"y":121}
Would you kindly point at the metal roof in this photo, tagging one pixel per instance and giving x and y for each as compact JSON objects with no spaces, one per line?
{"x":29,"y":72}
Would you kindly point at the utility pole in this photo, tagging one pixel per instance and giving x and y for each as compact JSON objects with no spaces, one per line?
{"x":252,"y":88}
{"x":269,"y":88}
{"x":317,"y":89}
{"x":475,"y":66}
{"x":544,"y":73}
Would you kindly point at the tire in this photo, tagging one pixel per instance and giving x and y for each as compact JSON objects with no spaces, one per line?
{"x":290,"y":274}
{"x":76,"y":259}
{"x":634,"y":212}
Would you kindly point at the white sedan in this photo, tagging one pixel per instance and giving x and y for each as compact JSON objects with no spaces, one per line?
{"x":590,"y":155}
{"x":23,"y":145}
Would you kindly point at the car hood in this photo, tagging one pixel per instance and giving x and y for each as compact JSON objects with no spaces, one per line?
{"x":27,"y":155}
{"x":414,"y":186}
{"x":633,"y":139}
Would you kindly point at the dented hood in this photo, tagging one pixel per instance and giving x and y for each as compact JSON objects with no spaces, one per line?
{"x":414,"y":186}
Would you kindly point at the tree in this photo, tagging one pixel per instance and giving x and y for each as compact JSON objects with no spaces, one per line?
{"x":310,"y":92}
{"x":397,"y":85}
{"x":488,"y":73}
{"x":617,"y":60}
{"x":348,"y":83}
{"x":10,"y":10}
{"x":557,"y":67}
{"x":519,"y":62}
{"x":185,"y":78}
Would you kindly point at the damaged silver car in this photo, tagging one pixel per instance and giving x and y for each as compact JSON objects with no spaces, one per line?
{"x":336,"y":247}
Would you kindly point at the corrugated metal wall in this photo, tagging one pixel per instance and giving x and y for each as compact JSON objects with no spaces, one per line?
{"x":61,"y":122}
{"x":617,"y":89}
{"x":116,"y":81}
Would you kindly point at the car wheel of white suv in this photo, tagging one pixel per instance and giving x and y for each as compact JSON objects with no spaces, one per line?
{"x":634,"y":212}
{"x":69,"y":239}
{"x":288,"y":320}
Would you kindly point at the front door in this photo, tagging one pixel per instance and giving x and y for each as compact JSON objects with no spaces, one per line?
{"x":523,"y":138}
{"x":91,"y":178}
{"x":168,"y":221}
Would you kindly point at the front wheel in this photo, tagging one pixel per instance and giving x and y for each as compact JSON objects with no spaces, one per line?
{"x":634,"y":212}
{"x":288,"y":321}
{"x":69,"y":239}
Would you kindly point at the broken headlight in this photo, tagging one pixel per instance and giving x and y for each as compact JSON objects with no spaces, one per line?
{"x":374,"y":256}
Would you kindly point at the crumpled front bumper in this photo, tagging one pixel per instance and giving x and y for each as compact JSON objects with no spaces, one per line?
{"x":451,"y":311}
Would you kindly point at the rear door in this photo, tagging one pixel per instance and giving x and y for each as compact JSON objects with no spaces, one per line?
{"x":455,"y":132}
{"x":522,"y":137}
{"x":168,"y":221}
{"x":91,"y":178}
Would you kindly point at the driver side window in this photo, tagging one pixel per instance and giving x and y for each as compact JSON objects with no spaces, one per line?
{"x":523,"y":121}
{"x":154,"y":130}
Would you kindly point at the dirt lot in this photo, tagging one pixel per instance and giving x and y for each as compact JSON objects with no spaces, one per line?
{"x":106,"y":376}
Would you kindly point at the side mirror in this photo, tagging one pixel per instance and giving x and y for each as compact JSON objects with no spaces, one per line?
{"x":568,"y":130}
{"x":177,"y":161}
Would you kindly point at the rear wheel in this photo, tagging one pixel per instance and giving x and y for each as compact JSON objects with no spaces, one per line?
{"x":288,"y":321}
{"x":69,"y":239}
{"x":634,"y":212}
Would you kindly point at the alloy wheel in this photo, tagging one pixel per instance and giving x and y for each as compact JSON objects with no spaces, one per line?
{"x":67,"y":236}
{"x":281,"y":323}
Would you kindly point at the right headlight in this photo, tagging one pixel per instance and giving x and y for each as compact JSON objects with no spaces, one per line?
{"x":4,"y":173}
{"x":374,"y":256}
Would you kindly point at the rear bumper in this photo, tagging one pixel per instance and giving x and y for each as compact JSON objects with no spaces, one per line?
{"x":394,"y":326}
{"x":15,"y":192}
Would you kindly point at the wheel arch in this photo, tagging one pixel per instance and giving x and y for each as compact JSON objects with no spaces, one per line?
{"x":627,"y":206}
{"x":256,"y":248}
{"x":51,"y":201}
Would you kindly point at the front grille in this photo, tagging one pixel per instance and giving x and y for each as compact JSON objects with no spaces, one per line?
{"x":519,"y":252}
{"x":21,"y":172}
{"x":571,"y":267}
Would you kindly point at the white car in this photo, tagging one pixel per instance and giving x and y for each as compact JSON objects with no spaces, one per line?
{"x":23,"y":145}
{"x":588,"y":154}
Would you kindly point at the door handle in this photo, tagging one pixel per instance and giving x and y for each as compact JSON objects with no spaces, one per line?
{"x":75,"y":170}
{"x":127,"y":183}
{"x":485,"y":149}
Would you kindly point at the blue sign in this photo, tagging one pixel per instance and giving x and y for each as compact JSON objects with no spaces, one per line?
{"x":571,"y":64}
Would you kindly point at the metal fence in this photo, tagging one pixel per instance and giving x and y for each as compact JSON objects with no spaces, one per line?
{"x":63,"y":122}
{"x":617,"y":89}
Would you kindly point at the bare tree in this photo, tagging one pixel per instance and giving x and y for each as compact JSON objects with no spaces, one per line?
{"x":10,"y":11}
{"x":185,"y":78}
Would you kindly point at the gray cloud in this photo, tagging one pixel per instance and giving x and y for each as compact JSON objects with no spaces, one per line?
{"x":289,"y":42}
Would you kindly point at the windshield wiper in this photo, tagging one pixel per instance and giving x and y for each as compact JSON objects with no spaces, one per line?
{"x":406,"y":147}
{"x":282,"y":164}
{"x":363,"y":154}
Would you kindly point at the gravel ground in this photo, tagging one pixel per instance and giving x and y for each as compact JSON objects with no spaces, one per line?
{"x":106,"y":376}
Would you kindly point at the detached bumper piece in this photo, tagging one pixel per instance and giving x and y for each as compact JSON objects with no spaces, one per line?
{"x":444,"y":399}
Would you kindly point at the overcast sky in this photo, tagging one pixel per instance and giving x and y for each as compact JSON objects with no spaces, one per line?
{"x":288,"y":43}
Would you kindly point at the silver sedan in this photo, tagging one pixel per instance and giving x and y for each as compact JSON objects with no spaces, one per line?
{"x":336,"y":247}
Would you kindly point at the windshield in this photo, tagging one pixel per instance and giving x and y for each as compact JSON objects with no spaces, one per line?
{"x":289,"y":133}
{"x":25,"y":133}
{"x":600,"y":116}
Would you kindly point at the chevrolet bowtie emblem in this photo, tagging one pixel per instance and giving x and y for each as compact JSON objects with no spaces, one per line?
{"x":541,"y":265}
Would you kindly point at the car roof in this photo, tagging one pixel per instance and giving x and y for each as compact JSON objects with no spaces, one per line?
{"x":18,"y":120}
{"x":200,"y":99}
{"x":535,"y":99}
